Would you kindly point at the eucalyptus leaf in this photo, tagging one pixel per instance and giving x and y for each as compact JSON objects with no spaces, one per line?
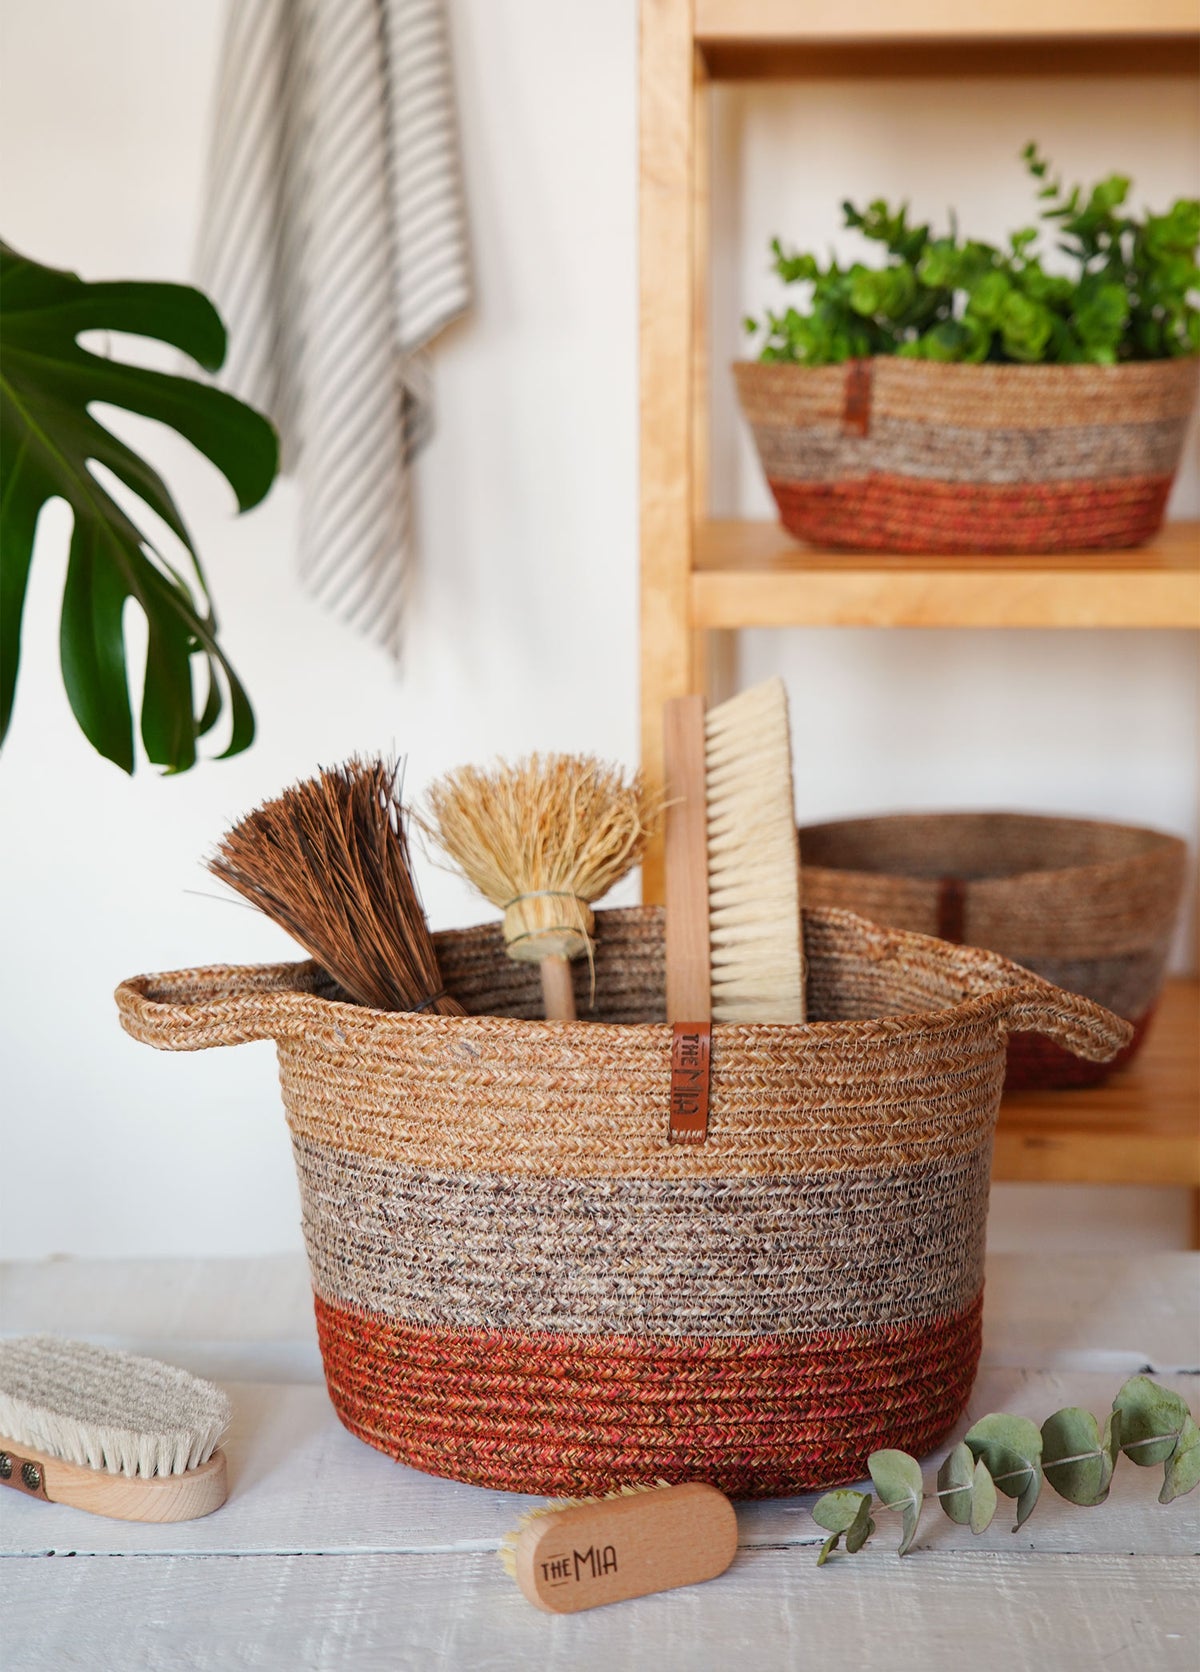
{"x":983,"y":1499}
{"x":956,"y":1484}
{"x":1011,"y":1448}
{"x":49,"y":442}
{"x":1075,"y":1434}
{"x":860,"y":1529}
{"x":897,"y":1478}
{"x":966,"y":1490}
{"x":844,"y":1511}
{"x":1152,"y":1419}
{"x":835,"y":1511}
{"x":1181,"y":1473}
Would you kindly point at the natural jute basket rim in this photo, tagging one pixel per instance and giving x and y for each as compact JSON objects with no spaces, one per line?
{"x":191,"y":1009}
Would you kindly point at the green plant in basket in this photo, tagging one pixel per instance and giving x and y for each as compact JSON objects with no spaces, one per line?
{"x":1127,"y":293}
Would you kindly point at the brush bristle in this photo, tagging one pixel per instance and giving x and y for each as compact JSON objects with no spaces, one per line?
{"x":328,"y":860}
{"x":753,"y":860}
{"x":108,"y":1410}
{"x":563,"y":828}
{"x":507,"y":1548}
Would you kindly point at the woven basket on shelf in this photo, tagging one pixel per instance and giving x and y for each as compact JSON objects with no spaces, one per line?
{"x":1088,"y":905}
{"x":521,"y":1283}
{"x":899,"y":455}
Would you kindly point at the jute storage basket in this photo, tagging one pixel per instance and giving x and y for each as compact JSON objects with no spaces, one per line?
{"x":1088,"y":905}
{"x":520,"y":1282}
{"x":899,"y":455}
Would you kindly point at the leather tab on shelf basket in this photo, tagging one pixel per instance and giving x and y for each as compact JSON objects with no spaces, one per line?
{"x":951,"y":909}
{"x":691,"y":1052}
{"x":856,"y":401}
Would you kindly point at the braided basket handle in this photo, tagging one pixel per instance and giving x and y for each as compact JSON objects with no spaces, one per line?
{"x":1082,"y":1026}
{"x":190,"y":1010}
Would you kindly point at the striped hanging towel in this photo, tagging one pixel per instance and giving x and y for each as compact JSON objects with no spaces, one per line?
{"x":333,"y":241}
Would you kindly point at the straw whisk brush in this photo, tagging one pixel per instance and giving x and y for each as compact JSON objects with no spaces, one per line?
{"x":542,"y":840}
{"x":328,"y":860}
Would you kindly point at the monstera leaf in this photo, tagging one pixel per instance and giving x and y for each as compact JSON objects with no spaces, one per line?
{"x":49,"y":438}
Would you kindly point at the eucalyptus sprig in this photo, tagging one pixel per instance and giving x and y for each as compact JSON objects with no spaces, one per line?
{"x":1128,"y":296}
{"x":1012,"y":1455}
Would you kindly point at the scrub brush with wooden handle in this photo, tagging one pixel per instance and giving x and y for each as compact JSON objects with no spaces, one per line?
{"x":328,"y":860}
{"x":109,"y":1432}
{"x":542,"y":840}
{"x":734,"y":935}
{"x":584,"y":1552}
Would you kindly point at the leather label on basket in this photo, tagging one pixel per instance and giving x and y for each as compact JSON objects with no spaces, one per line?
{"x":856,"y":399}
{"x":691,"y":1050}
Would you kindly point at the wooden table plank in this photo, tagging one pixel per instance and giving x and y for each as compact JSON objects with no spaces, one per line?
{"x":330,"y":1555}
{"x":773,"y":1609}
{"x":301,"y":1483}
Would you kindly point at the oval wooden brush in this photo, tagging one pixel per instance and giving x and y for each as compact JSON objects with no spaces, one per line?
{"x":542,"y":840}
{"x":328,"y":860}
{"x":109,"y":1432}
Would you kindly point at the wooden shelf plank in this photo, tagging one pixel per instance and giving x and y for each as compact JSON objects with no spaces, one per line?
{"x":784,"y":20}
{"x":750,"y":40}
{"x":1140,"y":1127}
{"x":753,"y":574}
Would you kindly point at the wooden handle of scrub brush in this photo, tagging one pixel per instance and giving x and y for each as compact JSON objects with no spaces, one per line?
{"x":158,"y":1498}
{"x":689,"y":960}
{"x":612,"y":1549}
{"x":558,"y":990}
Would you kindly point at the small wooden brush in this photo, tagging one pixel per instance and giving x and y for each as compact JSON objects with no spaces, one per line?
{"x":109,"y":1432}
{"x":328,"y":860}
{"x":584,"y":1552}
{"x":542,"y":840}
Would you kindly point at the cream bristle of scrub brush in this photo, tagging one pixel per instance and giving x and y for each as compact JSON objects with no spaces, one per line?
{"x":109,"y":1432}
{"x":542,"y":840}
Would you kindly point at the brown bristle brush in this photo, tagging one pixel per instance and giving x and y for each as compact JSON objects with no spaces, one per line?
{"x":583,"y":1552}
{"x":109,"y":1432}
{"x":542,"y":840}
{"x":328,"y":860}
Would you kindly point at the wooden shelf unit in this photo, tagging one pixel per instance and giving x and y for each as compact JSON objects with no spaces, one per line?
{"x":703,"y":578}
{"x":1140,"y":1127}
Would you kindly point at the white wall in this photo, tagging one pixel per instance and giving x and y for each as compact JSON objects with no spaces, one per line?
{"x":524,"y":630}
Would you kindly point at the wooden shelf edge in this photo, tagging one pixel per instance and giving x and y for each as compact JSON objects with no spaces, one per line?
{"x":930,"y":59}
{"x":1140,"y":1127}
{"x":749,"y":21}
{"x":749,"y":573}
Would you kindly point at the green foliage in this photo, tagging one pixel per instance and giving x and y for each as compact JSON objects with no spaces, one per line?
{"x":1147,"y":1423}
{"x":1074,"y":1434}
{"x":1128,"y":296}
{"x":1010,"y":1448}
{"x":897,"y":1478}
{"x":966,"y":1490}
{"x":843,"y":1512}
{"x":49,"y":440}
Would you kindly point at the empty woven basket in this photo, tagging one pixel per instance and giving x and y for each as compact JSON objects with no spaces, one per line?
{"x":1088,"y":905}
{"x":521,"y":1283}
{"x":898,"y":455}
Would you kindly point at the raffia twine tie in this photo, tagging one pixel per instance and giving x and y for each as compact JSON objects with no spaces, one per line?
{"x":547,"y":923}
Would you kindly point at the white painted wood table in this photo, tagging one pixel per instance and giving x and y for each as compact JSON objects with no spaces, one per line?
{"x":329,"y":1555}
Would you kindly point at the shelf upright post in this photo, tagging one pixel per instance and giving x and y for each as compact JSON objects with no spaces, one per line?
{"x":669,"y":290}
